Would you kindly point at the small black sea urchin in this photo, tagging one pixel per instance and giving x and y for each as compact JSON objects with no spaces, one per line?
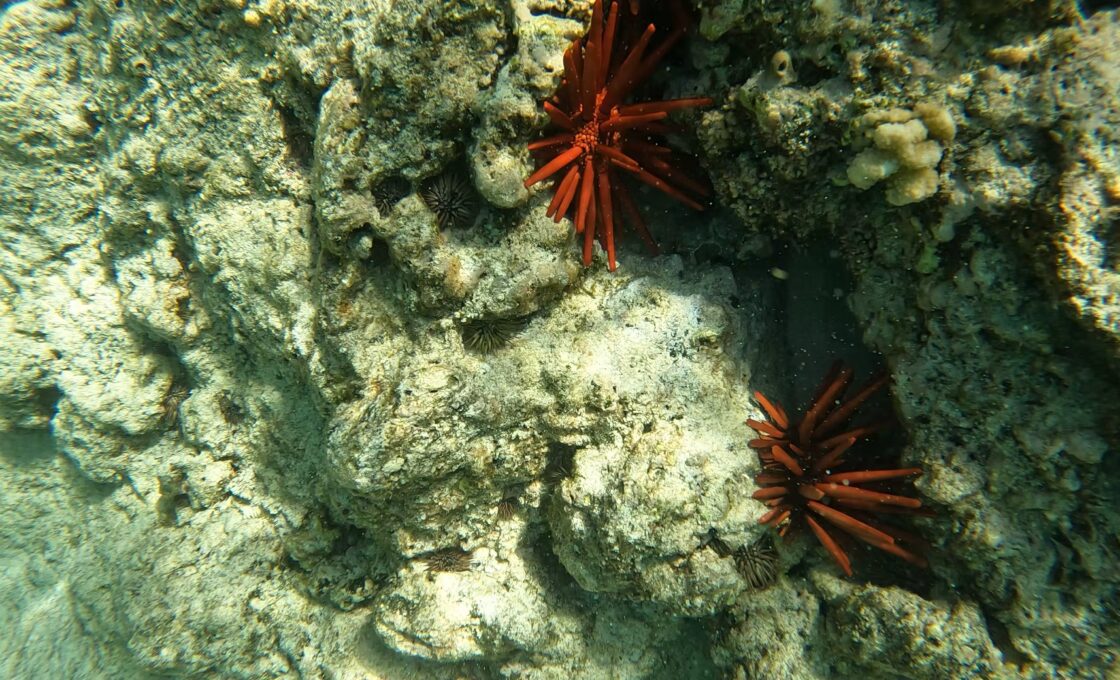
{"x":171,"y":402}
{"x":507,"y":507}
{"x":487,"y":335}
{"x":757,"y":563}
{"x":451,"y":198}
{"x":388,"y":193}
{"x":448,"y":559}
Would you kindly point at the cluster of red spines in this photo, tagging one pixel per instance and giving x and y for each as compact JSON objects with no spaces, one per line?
{"x":601,"y":135}
{"x":807,"y":476}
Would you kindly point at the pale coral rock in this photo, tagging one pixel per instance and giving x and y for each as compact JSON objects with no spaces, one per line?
{"x":902,"y":155}
{"x":912,"y":185}
{"x":238,"y":411}
{"x":938,"y":120}
{"x":871,"y":166}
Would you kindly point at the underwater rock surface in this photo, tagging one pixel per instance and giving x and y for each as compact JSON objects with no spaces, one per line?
{"x":267,"y":413}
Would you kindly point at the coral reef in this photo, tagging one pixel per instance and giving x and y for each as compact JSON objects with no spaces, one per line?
{"x":902,"y":153}
{"x":252,"y":424}
{"x":884,"y":628}
{"x":968,"y":293}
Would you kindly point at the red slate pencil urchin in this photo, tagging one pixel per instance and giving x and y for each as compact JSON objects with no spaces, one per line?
{"x":601,"y":135}
{"x":808,"y":474}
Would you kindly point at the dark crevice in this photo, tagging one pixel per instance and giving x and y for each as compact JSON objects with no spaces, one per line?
{"x":380,"y":254}
{"x":1001,"y":638}
{"x":810,"y":73}
{"x":173,"y":499}
{"x":1108,"y":235}
{"x":538,"y":544}
{"x":47,"y":399}
{"x":561,"y":459}
{"x":554,"y":13}
{"x":819,"y":326}
{"x":1090,"y":7}
{"x":342,"y":572}
{"x":299,"y":138}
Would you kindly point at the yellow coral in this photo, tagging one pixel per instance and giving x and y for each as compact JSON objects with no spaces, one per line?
{"x":903,"y":155}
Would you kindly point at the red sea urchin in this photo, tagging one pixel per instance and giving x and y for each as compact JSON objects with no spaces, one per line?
{"x":808,"y":475}
{"x":600,"y":134}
